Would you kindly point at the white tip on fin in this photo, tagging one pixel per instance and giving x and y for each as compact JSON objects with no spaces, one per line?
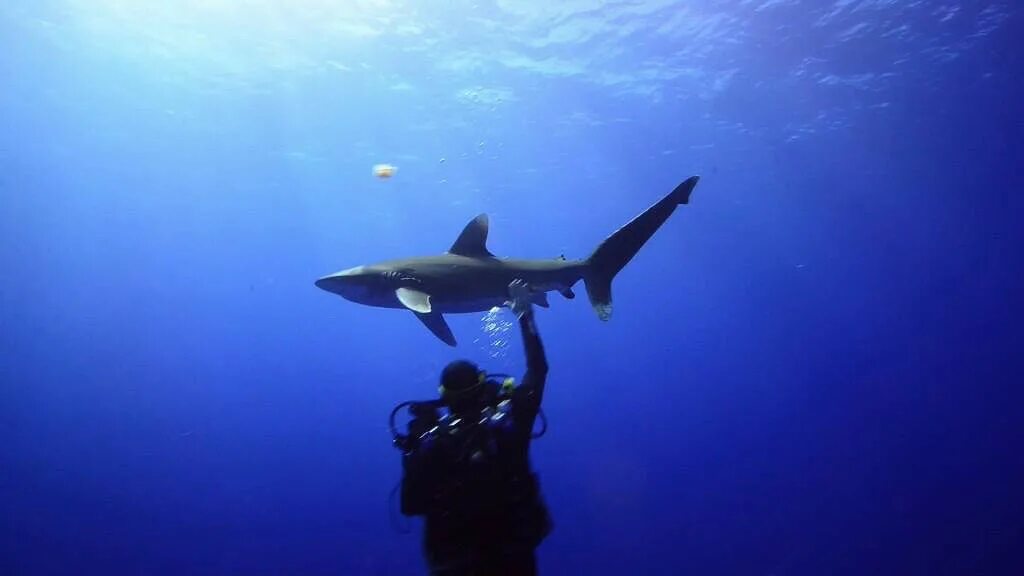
{"x":414,"y":300}
{"x":604,"y":311}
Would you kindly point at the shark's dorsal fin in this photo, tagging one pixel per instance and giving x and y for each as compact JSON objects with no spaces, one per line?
{"x":473,"y":240}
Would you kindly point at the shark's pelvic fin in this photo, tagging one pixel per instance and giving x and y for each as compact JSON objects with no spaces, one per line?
{"x":414,"y":300}
{"x":619,"y":248}
{"x":568,"y":293}
{"x":473,"y":240}
{"x":436,"y":324}
{"x":541,"y":299}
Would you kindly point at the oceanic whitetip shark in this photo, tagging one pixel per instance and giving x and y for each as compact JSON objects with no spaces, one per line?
{"x":468,"y":278}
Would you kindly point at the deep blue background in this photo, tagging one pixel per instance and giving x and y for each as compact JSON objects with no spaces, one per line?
{"x":813,"y":368}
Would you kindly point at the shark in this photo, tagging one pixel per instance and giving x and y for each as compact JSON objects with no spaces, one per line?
{"x":469,"y":278}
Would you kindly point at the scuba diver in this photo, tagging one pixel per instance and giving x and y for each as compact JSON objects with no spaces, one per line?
{"x":466,"y":466}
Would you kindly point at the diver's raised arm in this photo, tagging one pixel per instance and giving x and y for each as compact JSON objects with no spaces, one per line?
{"x":536,"y":360}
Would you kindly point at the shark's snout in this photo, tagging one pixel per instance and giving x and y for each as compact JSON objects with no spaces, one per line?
{"x":350,"y":284}
{"x":324,"y":283}
{"x":334,"y":282}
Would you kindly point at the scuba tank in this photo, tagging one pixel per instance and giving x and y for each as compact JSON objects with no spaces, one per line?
{"x":425,"y":416}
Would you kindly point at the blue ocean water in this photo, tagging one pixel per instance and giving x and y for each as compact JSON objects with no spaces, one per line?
{"x":813,"y":368}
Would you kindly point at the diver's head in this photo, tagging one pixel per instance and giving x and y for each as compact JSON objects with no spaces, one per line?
{"x":462,"y":385}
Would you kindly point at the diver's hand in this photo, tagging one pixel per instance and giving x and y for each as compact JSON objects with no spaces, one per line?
{"x":520,"y":299}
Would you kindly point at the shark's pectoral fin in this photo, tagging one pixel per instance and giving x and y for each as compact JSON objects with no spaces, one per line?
{"x":436,"y":324}
{"x":540,"y":299}
{"x":414,"y":300}
{"x":568,"y":293}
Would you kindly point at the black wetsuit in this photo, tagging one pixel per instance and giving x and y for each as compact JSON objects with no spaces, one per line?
{"x":483,"y":511}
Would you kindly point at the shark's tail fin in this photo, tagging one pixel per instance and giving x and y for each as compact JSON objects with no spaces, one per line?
{"x":619,"y":248}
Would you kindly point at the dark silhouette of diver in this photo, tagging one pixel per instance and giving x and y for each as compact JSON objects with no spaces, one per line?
{"x":466,"y":466}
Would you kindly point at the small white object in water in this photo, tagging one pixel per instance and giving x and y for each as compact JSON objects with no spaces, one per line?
{"x":384,"y":170}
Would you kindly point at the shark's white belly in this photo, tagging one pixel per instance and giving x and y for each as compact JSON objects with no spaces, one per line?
{"x":466,"y":306}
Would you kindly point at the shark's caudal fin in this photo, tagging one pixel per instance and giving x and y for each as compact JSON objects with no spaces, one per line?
{"x":619,"y":248}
